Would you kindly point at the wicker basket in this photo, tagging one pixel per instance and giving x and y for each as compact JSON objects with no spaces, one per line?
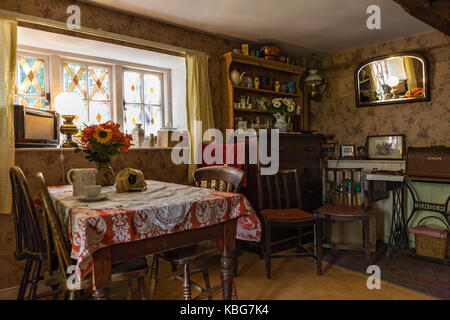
{"x":431,"y":242}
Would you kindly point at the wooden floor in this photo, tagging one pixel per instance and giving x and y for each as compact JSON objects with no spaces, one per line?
{"x":292,"y":279}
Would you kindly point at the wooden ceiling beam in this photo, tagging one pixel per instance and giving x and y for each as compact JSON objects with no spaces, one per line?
{"x":435,"y":13}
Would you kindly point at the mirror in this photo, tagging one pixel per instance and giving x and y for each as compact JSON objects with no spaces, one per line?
{"x":392,"y":79}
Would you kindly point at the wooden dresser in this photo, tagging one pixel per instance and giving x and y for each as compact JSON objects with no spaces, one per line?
{"x":299,"y":151}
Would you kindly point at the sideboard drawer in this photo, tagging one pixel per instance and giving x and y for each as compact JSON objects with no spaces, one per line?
{"x":311,"y":191}
{"x":300,"y":148}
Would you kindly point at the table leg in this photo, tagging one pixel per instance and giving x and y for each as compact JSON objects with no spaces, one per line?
{"x":397,"y":235}
{"x":101,"y":273}
{"x":227,"y":260}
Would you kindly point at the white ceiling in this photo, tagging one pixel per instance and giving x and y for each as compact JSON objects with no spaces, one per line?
{"x":298,"y":26}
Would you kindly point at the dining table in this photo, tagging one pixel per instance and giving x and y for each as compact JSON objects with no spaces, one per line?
{"x":119,"y":227}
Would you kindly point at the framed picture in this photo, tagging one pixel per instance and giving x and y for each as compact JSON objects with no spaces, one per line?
{"x":347,"y":151}
{"x":386,"y":147}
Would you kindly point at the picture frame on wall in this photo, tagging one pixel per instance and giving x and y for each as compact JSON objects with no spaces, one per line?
{"x":347,"y":151}
{"x":386,"y":147}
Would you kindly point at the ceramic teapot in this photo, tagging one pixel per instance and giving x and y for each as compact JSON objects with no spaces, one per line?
{"x":79,"y":178}
{"x":236,"y":77}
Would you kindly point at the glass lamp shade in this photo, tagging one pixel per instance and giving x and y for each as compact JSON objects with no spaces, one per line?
{"x":313,"y":78}
{"x":68,"y":103}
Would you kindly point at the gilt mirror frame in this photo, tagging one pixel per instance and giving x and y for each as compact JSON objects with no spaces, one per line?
{"x":427,"y":92}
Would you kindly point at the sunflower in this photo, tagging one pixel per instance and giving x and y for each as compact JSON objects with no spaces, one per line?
{"x":102,"y":135}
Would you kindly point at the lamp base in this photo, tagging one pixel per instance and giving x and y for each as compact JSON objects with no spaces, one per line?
{"x":68,"y":129}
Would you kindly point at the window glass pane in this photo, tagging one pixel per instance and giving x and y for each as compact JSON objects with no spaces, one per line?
{"x":132,"y":87}
{"x":75,"y":79}
{"x":99,"y":112}
{"x":132,"y":115}
{"x":33,"y":102}
{"x":152,"y":89}
{"x":152,"y":119}
{"x":31,"y":76}
{"x":98,"y":83}
{"x":82,"y":119}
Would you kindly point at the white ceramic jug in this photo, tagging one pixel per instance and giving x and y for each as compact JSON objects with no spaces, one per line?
{"x":79,"y":178}
{"x":236,"y":77}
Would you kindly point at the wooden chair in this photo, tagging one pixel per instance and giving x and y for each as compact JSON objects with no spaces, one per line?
{"x":135,"y":269}
{"x":283,"y":214}
{"x":347,"y":205}
{"x":221,"y":178}
{"x":30,"y":244}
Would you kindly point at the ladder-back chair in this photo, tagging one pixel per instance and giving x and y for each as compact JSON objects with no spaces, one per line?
{"x":279,"y":211}
{"x":347,"y":204}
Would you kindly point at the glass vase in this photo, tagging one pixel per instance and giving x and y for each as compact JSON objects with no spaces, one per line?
{"x":105,"y":174}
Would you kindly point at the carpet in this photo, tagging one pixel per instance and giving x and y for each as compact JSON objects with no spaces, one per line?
{"x":400,"y":268}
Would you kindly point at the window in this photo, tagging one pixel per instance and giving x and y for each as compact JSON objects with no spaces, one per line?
{"x":92,"y":83}
{"x":32,"y":85}
{"x":143,"y":100}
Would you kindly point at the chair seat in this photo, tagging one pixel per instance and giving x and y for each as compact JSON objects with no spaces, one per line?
{"x":128,"y":266}
{"x":287,"y":215}
{"x":190,"y":253}
{"x":337,"y":210}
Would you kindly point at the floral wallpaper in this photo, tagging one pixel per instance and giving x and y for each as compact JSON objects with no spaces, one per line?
{"x":423,"y":123}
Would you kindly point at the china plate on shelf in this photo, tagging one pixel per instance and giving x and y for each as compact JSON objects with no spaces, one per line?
{"x":308,"y":131}
{"x":99,"y":198}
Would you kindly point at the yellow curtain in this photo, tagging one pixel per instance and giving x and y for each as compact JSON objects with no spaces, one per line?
{"x":8,"y":47}
{"x":413,"y":75}
{"x":198,"y":102}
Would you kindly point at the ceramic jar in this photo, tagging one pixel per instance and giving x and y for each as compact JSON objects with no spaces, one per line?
{"x":138,"y":136}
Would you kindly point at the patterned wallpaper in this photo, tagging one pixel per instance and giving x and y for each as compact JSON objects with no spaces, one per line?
{"x":423,"y":123}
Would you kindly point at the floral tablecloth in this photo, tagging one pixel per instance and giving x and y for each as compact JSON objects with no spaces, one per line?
{"x":163,"y":208}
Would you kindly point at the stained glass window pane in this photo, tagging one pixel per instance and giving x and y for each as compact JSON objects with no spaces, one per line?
{"x":98,"y":78}
{"x":99,"y":112}
{"x":152,"y":119}
{"x":133,"y":115}
{"x":33,"y":102}
{"x":132,"y":87}
{"x":31,"y":76}
{"x":75,"y":79}
{"x":152,"y":89}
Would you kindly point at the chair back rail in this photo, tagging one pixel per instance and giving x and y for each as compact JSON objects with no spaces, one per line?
{"x":221,"y":178}
{"x":278,"y":185}
{"x":333,"y":177}
{"x":62,"y":248}
{"x":29,"y":240}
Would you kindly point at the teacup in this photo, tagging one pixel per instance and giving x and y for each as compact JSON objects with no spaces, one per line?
{"x":91,"y":191}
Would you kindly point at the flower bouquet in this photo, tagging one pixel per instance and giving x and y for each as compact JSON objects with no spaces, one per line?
{"x":282,"y":107}
{"x":100,"y":143}
{"x":416,"y":92}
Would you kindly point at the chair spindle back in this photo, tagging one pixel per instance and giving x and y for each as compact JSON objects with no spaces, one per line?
{"x":278,"y":185}
{"x":26,"y":223}
{"x":344,"y":178}
{"x":221,"y":178}
{"x":62,"y":248}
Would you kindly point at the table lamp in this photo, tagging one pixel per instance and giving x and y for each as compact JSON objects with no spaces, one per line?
{"x":69,"y":105}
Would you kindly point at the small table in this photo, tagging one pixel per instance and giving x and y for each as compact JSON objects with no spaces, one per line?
{"x":397,"y":235}
{"x":163,"y":217}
